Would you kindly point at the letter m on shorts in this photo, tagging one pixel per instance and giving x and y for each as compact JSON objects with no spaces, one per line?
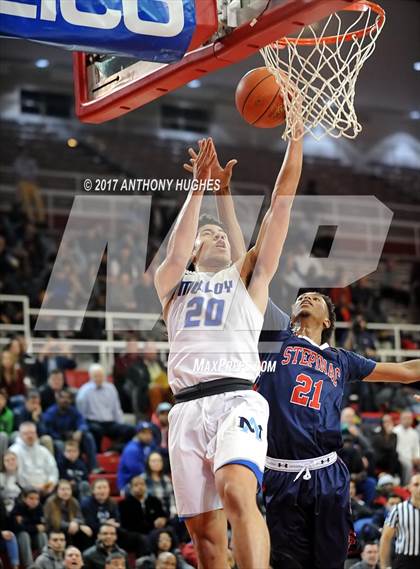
{"x":250,"y":425}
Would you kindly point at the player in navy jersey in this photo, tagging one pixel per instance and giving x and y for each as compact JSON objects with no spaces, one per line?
{"x":306,"y":484}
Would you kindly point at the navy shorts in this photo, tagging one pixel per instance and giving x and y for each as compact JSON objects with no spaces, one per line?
{"x":309,"y":520}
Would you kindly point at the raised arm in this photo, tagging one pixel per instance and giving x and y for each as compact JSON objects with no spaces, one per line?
{"x":181,"y":241}
{"x":224,"y":202}
{"x":261,"y":261}
{"x":405,"y":372}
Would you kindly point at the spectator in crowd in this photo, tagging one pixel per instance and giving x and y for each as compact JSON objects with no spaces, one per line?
{"x":62,"y":512}
{"x":122,"y":294}
{"x":343,"y":310}
{"x":73,"y":558}
{"x":9,"y":481}
{"x":115,"y":560}
{"x":384,"y":445}
{"x":122,"y":364}
{"x":135,"y":453}
{"x":162,"y":541}
{"x":53,"y":386}
{"x":9,"y":264}
{"x":100,"y":508}
{"x":352,"y":457}
{"x":381,"y":513}
{"x":72,"y":468}
{"x":159,"y":484}
{"x":359,"y":454}
{"x":99,"y":403}
{"x":17,"y":348}
{"x":162,"y":422}
{"x":359,"y":509}
{"x":36,"y":465}
{"x":26,"y":169}
{"x":32,"y":412}
{"x":403,"y":522}
{"x":53,"y":356}
{"x":136,"y":384}
{"x":139,"y":511}
{"x":365,"y":299}
{"x":11,"y":379}
{"x":95,"y":556}
{"x":64,"y":422}
{"x":8,"y":542}
{"x":370,"y":557}
{"x":138,"y":516}
{"x":360,"y":340}
{"x":408,"y":446}
{"x":6,"y":423}
{"x":350,"y":425}
{"x":27,"y":518}
{"x":159,"y":390}
{"x":166,"y":560}
{"x":52,"y":556}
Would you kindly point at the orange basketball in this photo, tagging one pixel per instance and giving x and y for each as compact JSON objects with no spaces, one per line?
{"x":259,"y":100}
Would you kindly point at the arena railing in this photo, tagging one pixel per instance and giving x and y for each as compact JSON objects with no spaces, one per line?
{"x":112,"y":345}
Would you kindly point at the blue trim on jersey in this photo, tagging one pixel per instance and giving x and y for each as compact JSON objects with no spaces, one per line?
{"x":248,"y":464}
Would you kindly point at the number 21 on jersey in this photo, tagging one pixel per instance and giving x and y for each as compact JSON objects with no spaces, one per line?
{"x":304,"y":395}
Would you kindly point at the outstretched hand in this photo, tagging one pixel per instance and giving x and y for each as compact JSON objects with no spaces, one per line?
{"x":217,"y":172}
{"x":202,"y":166}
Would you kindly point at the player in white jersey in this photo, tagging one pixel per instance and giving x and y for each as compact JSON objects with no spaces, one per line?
{"x":217,"y":429}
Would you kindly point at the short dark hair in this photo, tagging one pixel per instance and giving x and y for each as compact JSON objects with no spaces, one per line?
{"x":71,"y":443}
{"x":328,"y":332}
{"x":206,"y":219}
{"x":94,"y":484}
{"x":55,"y":371}
{"x":32,"y":393}
{"x":114,"y":555}
{"x":55,"y":531}
{"x":107,"y":525}
{"x":366,"y":543}
{"x":30,"y":490}
{"x":64,"y":391}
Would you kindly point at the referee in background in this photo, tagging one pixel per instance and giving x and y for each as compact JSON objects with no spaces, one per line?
{"x":403,"y":522}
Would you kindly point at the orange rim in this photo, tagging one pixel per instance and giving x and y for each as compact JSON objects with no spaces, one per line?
{"x":361,"y":6}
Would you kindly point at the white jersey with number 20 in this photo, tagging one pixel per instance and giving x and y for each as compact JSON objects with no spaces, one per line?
{"x":213,"y":327}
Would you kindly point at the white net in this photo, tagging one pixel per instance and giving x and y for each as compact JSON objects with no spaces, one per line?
{"x":317,"y":72}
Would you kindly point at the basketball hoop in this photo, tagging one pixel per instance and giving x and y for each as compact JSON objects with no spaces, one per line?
{"x":318,"y":71}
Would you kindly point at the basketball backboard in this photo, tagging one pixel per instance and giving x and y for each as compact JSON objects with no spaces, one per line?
{"x":226,"y":31}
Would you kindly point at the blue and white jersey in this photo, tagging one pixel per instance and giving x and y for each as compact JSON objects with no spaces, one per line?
{"x":213,"y":328}
{"x":303,"y":384}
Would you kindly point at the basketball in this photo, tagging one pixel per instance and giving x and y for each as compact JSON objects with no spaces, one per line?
{"x":259,"y":100}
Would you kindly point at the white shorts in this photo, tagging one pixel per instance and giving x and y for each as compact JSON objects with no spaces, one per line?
{"x":208,"y":433}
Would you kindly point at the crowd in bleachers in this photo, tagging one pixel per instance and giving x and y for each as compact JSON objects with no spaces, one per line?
{"x":76,"y":472}
{"x":55,"y":481}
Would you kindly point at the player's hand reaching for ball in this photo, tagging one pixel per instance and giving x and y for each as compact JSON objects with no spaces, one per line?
{"x":224,"y":175}
{"x":202,"y":165}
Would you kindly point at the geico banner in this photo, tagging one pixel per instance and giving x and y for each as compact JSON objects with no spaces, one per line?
{"x":153,"y":30}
